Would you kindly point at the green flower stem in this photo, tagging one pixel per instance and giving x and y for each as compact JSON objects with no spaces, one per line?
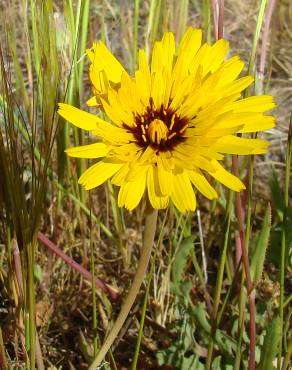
{"x":143,"y":314}
{"x":149,"y":233}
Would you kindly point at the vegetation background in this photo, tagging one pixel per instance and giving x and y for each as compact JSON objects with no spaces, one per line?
{"x":67,"y":257}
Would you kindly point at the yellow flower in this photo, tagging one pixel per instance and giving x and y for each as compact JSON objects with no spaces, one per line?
{"x":171,"y":123}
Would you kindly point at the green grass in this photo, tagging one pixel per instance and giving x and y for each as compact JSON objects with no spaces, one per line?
{"x":200,"y":310}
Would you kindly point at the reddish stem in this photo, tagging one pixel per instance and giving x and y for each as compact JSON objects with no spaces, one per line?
{"x":86,"y":274}
{"x":221,"y":19}
{"x":215,"y":18}
{"x":264,"y":47}
{"x":218,"y":18}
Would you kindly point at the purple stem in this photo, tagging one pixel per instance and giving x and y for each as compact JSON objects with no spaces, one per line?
{"x":264,"y":48}
{"x":86,"y":274}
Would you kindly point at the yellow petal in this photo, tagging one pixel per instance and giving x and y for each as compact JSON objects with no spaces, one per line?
{"x":226,"y":178}
{"x":111,"y":112}
{"x":145,"y":77}
{"x":258,"y":122}
{"x":259,"y":104}
{"x":103,"y":60}
{"x":120,"y":176}
{"x":131,"y":193}
{"x":165,"y":178}
{"x":98,"y":174}
{"x":210,"y":57}
{"x":183,"y":195}
{"x":157,"y":89}
{"x":119,"y":114}
{"x":156,"y":57}
{"x":181,"y":91}
{"x":212,"y":132}
{"x":245,"y":122}
{"x":95,"y":150}
{"x":217,"y":54}
{"x":230,"y":70}
{"x":168,"y":50}
{"x":236,"y":145}
{"x":144,"y":88}
{"x":198,"y":60}
{"x":202,"y":184}
{"x":236,"y":86}
{"x":188,"y":48}
{"x":129,"y":96}
{"x":92,"y":102}
{"x":99,"y":80}
{"x":78,"y":117}
{"x":112,"y":134}
{"x":157,"y":200}
{"x":190,"y":42}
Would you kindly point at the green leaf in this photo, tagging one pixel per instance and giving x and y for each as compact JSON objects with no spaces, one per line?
{"x":258,"y":257}
{"x":277,"y":194}
{"x":180,"y":259}
{"x":270,"y":346}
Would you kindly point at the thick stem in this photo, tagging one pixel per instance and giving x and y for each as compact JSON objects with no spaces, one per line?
{"x":149,"y":233}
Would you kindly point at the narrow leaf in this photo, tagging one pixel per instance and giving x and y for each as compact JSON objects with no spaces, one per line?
{"x":181,"y":259}
{"x":270,"y":346}
{"x":258,"y":257}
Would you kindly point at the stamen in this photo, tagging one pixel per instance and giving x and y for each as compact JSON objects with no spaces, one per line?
{"x":157,"y":131}
{"x":160,"y":127}
{"x":172,"y":122}
{"x":171,"y":135}
{"x":183,"y":129}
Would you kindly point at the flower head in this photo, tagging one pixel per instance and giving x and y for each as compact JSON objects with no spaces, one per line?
{"x":171,"y":123}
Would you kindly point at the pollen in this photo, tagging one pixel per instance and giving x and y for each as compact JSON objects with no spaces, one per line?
{"x":157,"y":131}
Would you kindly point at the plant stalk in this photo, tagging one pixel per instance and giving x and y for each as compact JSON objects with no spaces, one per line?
{"x":149,"y":234}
